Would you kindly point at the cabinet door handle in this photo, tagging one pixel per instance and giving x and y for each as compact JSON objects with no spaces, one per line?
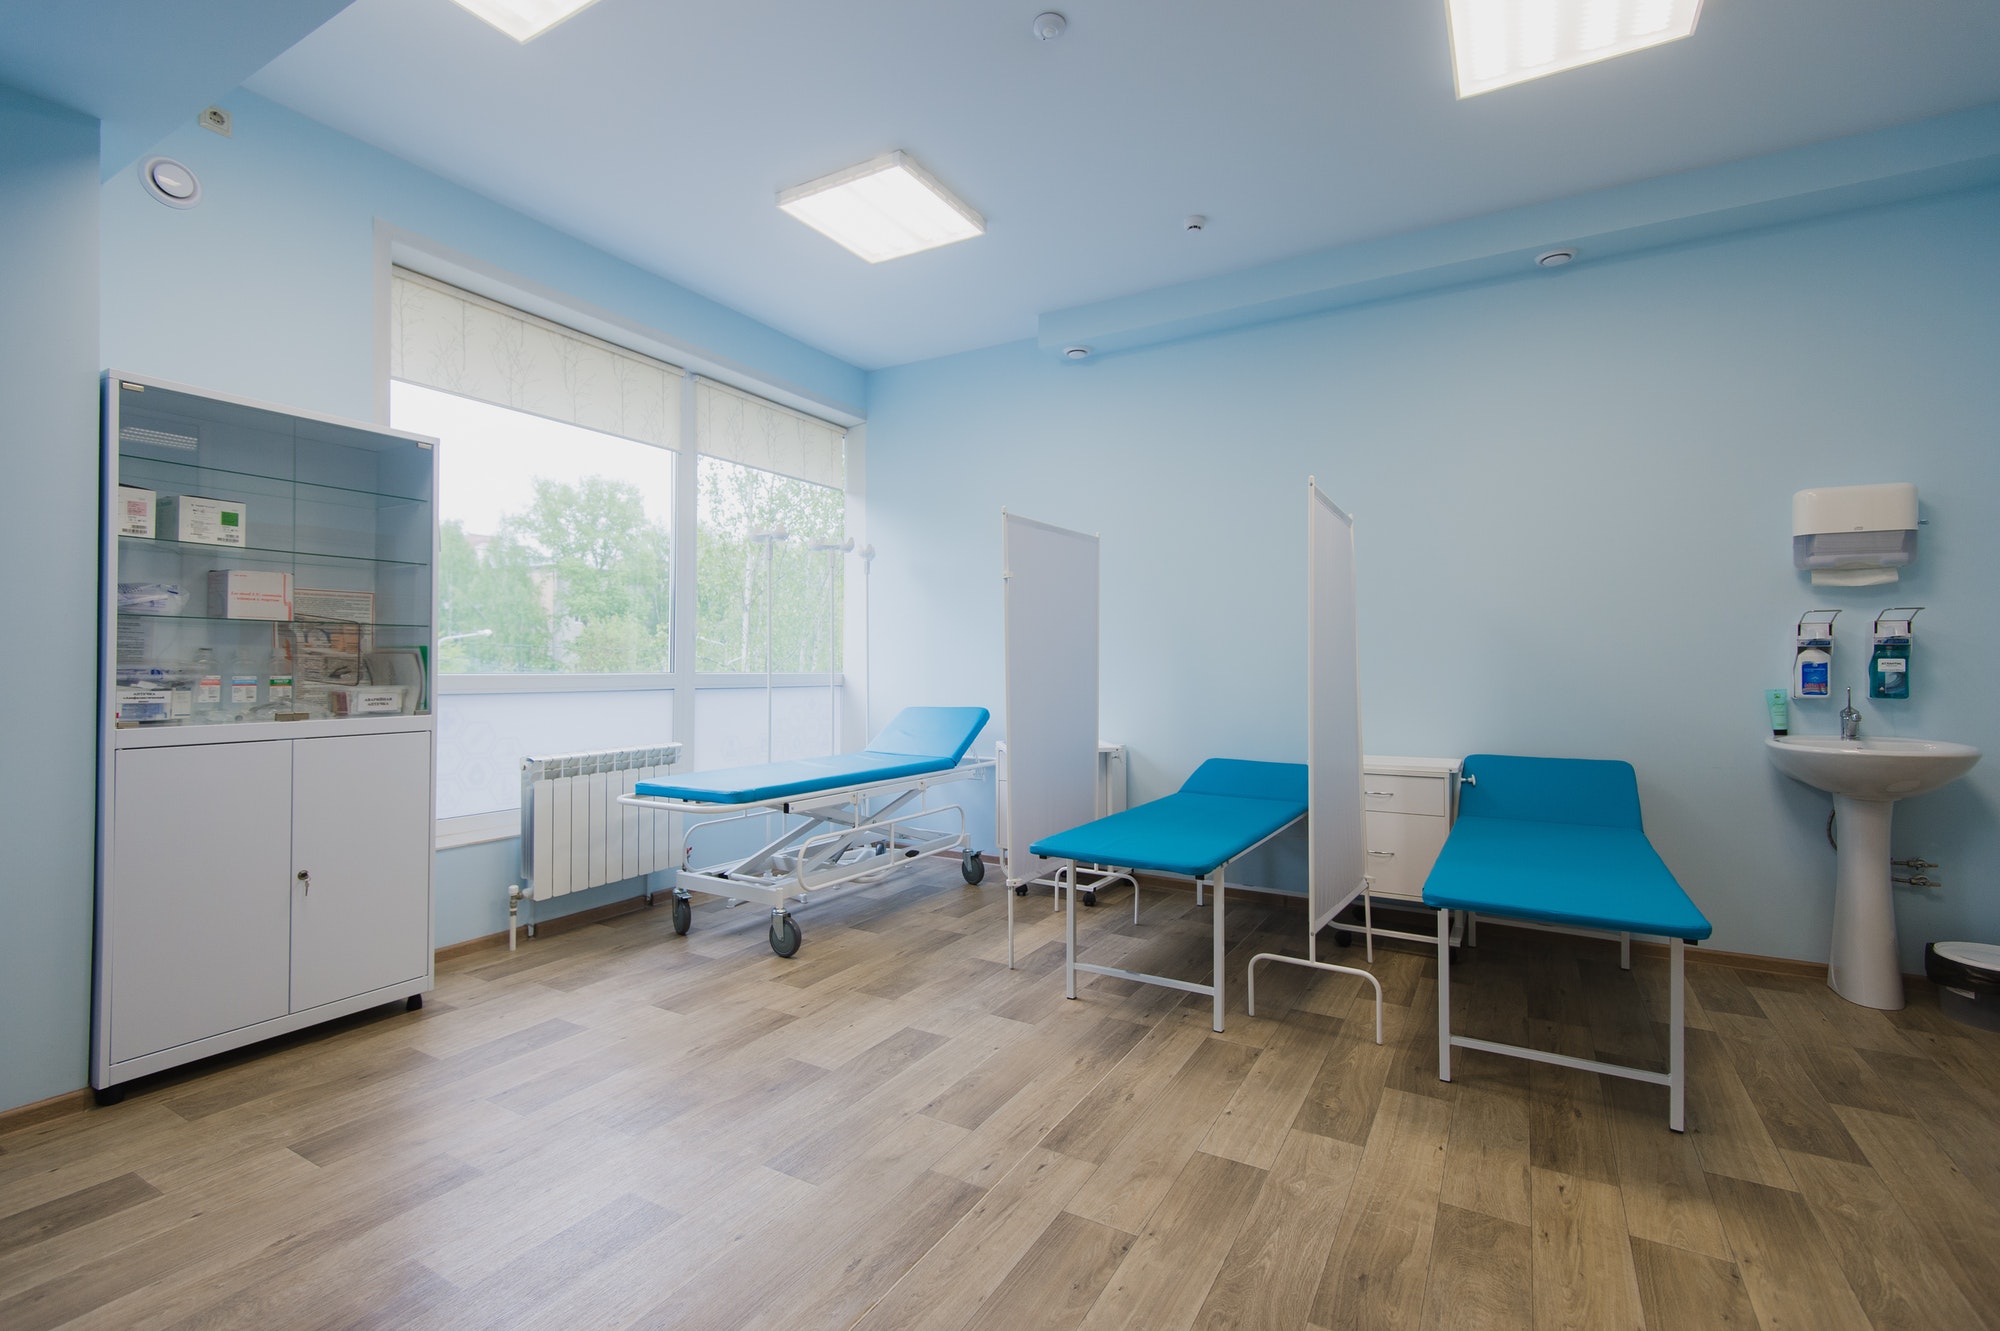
{"x":1385,"y":854}
{"x":1380,"y":794}
{"x":306,"y":878}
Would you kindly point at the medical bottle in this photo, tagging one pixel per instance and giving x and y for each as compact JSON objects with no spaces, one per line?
{"x":242,"y":685}
{"x":207,"y":685}
{"x":278,"y":681}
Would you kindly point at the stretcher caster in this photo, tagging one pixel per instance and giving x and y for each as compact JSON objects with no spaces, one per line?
{"x":972,"y":867}
{"x":683,"y":914}
{"x":1090,"y":898}
{"x":785,"y":937}
{"x":1343,"y":938}
{"x":1021,"y":891}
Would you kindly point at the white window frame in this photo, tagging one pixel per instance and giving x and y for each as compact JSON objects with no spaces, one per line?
{"x":396,"y":248}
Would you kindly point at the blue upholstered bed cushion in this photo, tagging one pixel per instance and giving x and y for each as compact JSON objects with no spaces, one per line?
{"x":920,"y":740}
{"x":1558,"y":840}
{"x":1225,"y":808}
{"x":1562,"y":873}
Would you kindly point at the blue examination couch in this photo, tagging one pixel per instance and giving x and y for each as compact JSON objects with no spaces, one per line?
{"x":1559,"y":842}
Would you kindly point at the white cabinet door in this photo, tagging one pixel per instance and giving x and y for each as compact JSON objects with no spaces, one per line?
{"x":361,"y":808}
{"x":197,"y":903}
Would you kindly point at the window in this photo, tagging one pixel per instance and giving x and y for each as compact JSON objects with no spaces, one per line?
{"x":560,"y":463}
{"x":763,"y":470}
{"x":555,"y":548}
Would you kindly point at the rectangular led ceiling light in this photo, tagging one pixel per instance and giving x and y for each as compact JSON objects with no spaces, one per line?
{"x":1495,"y":43}
{"x":883,"y":209}
{"x":524,"y":20}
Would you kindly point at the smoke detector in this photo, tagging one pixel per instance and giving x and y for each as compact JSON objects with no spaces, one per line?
{"x":1196,"y":222}
{"x":1554,"y":258}
{"x":1049,"y":26}
{"x":1076,"y":352}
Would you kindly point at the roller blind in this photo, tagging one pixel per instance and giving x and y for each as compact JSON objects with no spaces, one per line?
{"x":741,"y":428}
{"x":452,"y":340}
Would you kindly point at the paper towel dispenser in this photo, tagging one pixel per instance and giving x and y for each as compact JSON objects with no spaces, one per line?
{"x":1854,"y":535}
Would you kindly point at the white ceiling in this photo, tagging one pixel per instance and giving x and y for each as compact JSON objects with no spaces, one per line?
{"x":661,"y":131}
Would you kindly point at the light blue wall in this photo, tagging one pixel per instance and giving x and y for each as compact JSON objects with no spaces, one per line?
{"x":267,"y":290}
{"x":1572,"y":495}
{"x":48,"y":545}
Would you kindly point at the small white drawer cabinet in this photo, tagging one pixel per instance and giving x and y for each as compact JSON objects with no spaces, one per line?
{"x":1409,"y":804}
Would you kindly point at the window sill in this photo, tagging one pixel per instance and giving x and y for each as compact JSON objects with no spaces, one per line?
{"x":478,"y":828}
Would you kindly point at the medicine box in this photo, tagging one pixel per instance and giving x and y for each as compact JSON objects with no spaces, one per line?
{"x":204,"y":521}
{"x":249,"y":594}
{"x":135,"y":511}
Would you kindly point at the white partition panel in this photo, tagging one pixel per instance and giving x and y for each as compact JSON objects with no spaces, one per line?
{"x":1333,"y":710}
{"x":1049,"y":600}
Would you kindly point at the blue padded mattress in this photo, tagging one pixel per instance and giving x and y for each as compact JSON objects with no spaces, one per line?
{"x":1559,"y":841}
{"x":1225,"y":808}
{"x":920,"y":740}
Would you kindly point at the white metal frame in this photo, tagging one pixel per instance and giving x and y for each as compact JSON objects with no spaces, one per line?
{"x":841,"y":845}
{"x":1215,"y":989}
{"x":1319,"y":506}
{"x":1674,"y":1078}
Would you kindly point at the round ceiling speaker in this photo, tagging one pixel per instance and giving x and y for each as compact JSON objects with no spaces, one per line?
{"x":1077,"y":352}
{"x":1554,"y":258}
{"x":170,"y":182}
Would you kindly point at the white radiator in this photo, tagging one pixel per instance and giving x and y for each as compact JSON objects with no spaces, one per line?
{"x":575,"y":834}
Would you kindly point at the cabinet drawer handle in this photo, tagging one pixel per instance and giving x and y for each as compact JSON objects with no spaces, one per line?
{"x":1380,"y":794}
{"x":1385,"y":854}
{"x":306,"y":878}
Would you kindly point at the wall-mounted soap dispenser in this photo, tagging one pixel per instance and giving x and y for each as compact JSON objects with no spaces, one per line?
{"x":1854,"y":535}
{"x":1812,"y":657}
{"x":1889,"y":665}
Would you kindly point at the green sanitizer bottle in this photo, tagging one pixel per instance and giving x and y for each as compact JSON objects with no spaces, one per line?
{"x":1889,"y":668}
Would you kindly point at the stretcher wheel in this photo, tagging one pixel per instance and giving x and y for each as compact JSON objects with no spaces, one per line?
{"x":785,"y":937}
{"x":1090,"y":898}
{"x":1343,"y":938}
{"x":683,"y":915}
{"x":1021,"y":891}
{"x":972,"y":867}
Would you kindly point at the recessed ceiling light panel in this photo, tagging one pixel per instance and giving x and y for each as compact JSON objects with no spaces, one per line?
{"x":1495,"y":43}
{"x":524,"y":20}
{"x":883,"y":209}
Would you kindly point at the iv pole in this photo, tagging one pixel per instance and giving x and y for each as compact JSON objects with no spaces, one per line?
{"x":831,"y":549}
{"x":769,"y":540}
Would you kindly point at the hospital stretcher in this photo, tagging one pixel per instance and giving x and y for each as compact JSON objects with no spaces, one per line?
{"x":863,"y":816}
{"x":1558,"y":843}
{"x":1226,"y":809}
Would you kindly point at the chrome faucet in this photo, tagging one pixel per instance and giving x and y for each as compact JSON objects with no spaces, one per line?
{"x":1850,"y":720}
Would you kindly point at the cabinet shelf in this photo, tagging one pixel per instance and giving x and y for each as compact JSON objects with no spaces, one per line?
{"x":138,"y":546}
{"x":282,"y":623}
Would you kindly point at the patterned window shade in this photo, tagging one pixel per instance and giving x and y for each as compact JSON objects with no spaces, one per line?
{"x":452,"y":340}
{"x":761,"y":434}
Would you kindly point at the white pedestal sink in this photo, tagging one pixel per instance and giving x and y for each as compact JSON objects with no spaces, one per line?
{"x":1866,"y":777}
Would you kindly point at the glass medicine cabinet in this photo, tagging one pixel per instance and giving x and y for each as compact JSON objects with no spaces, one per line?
{"x":262,"y":566}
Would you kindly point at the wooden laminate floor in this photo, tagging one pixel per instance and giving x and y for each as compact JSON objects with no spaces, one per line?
{"x":616,"y":1127}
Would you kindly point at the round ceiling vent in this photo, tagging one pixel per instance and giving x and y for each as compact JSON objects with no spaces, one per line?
{"x":1076,"y":352}
{"x":1554,"y":258}
{"x":171,"y":182}
{"x":1050,"y":26}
